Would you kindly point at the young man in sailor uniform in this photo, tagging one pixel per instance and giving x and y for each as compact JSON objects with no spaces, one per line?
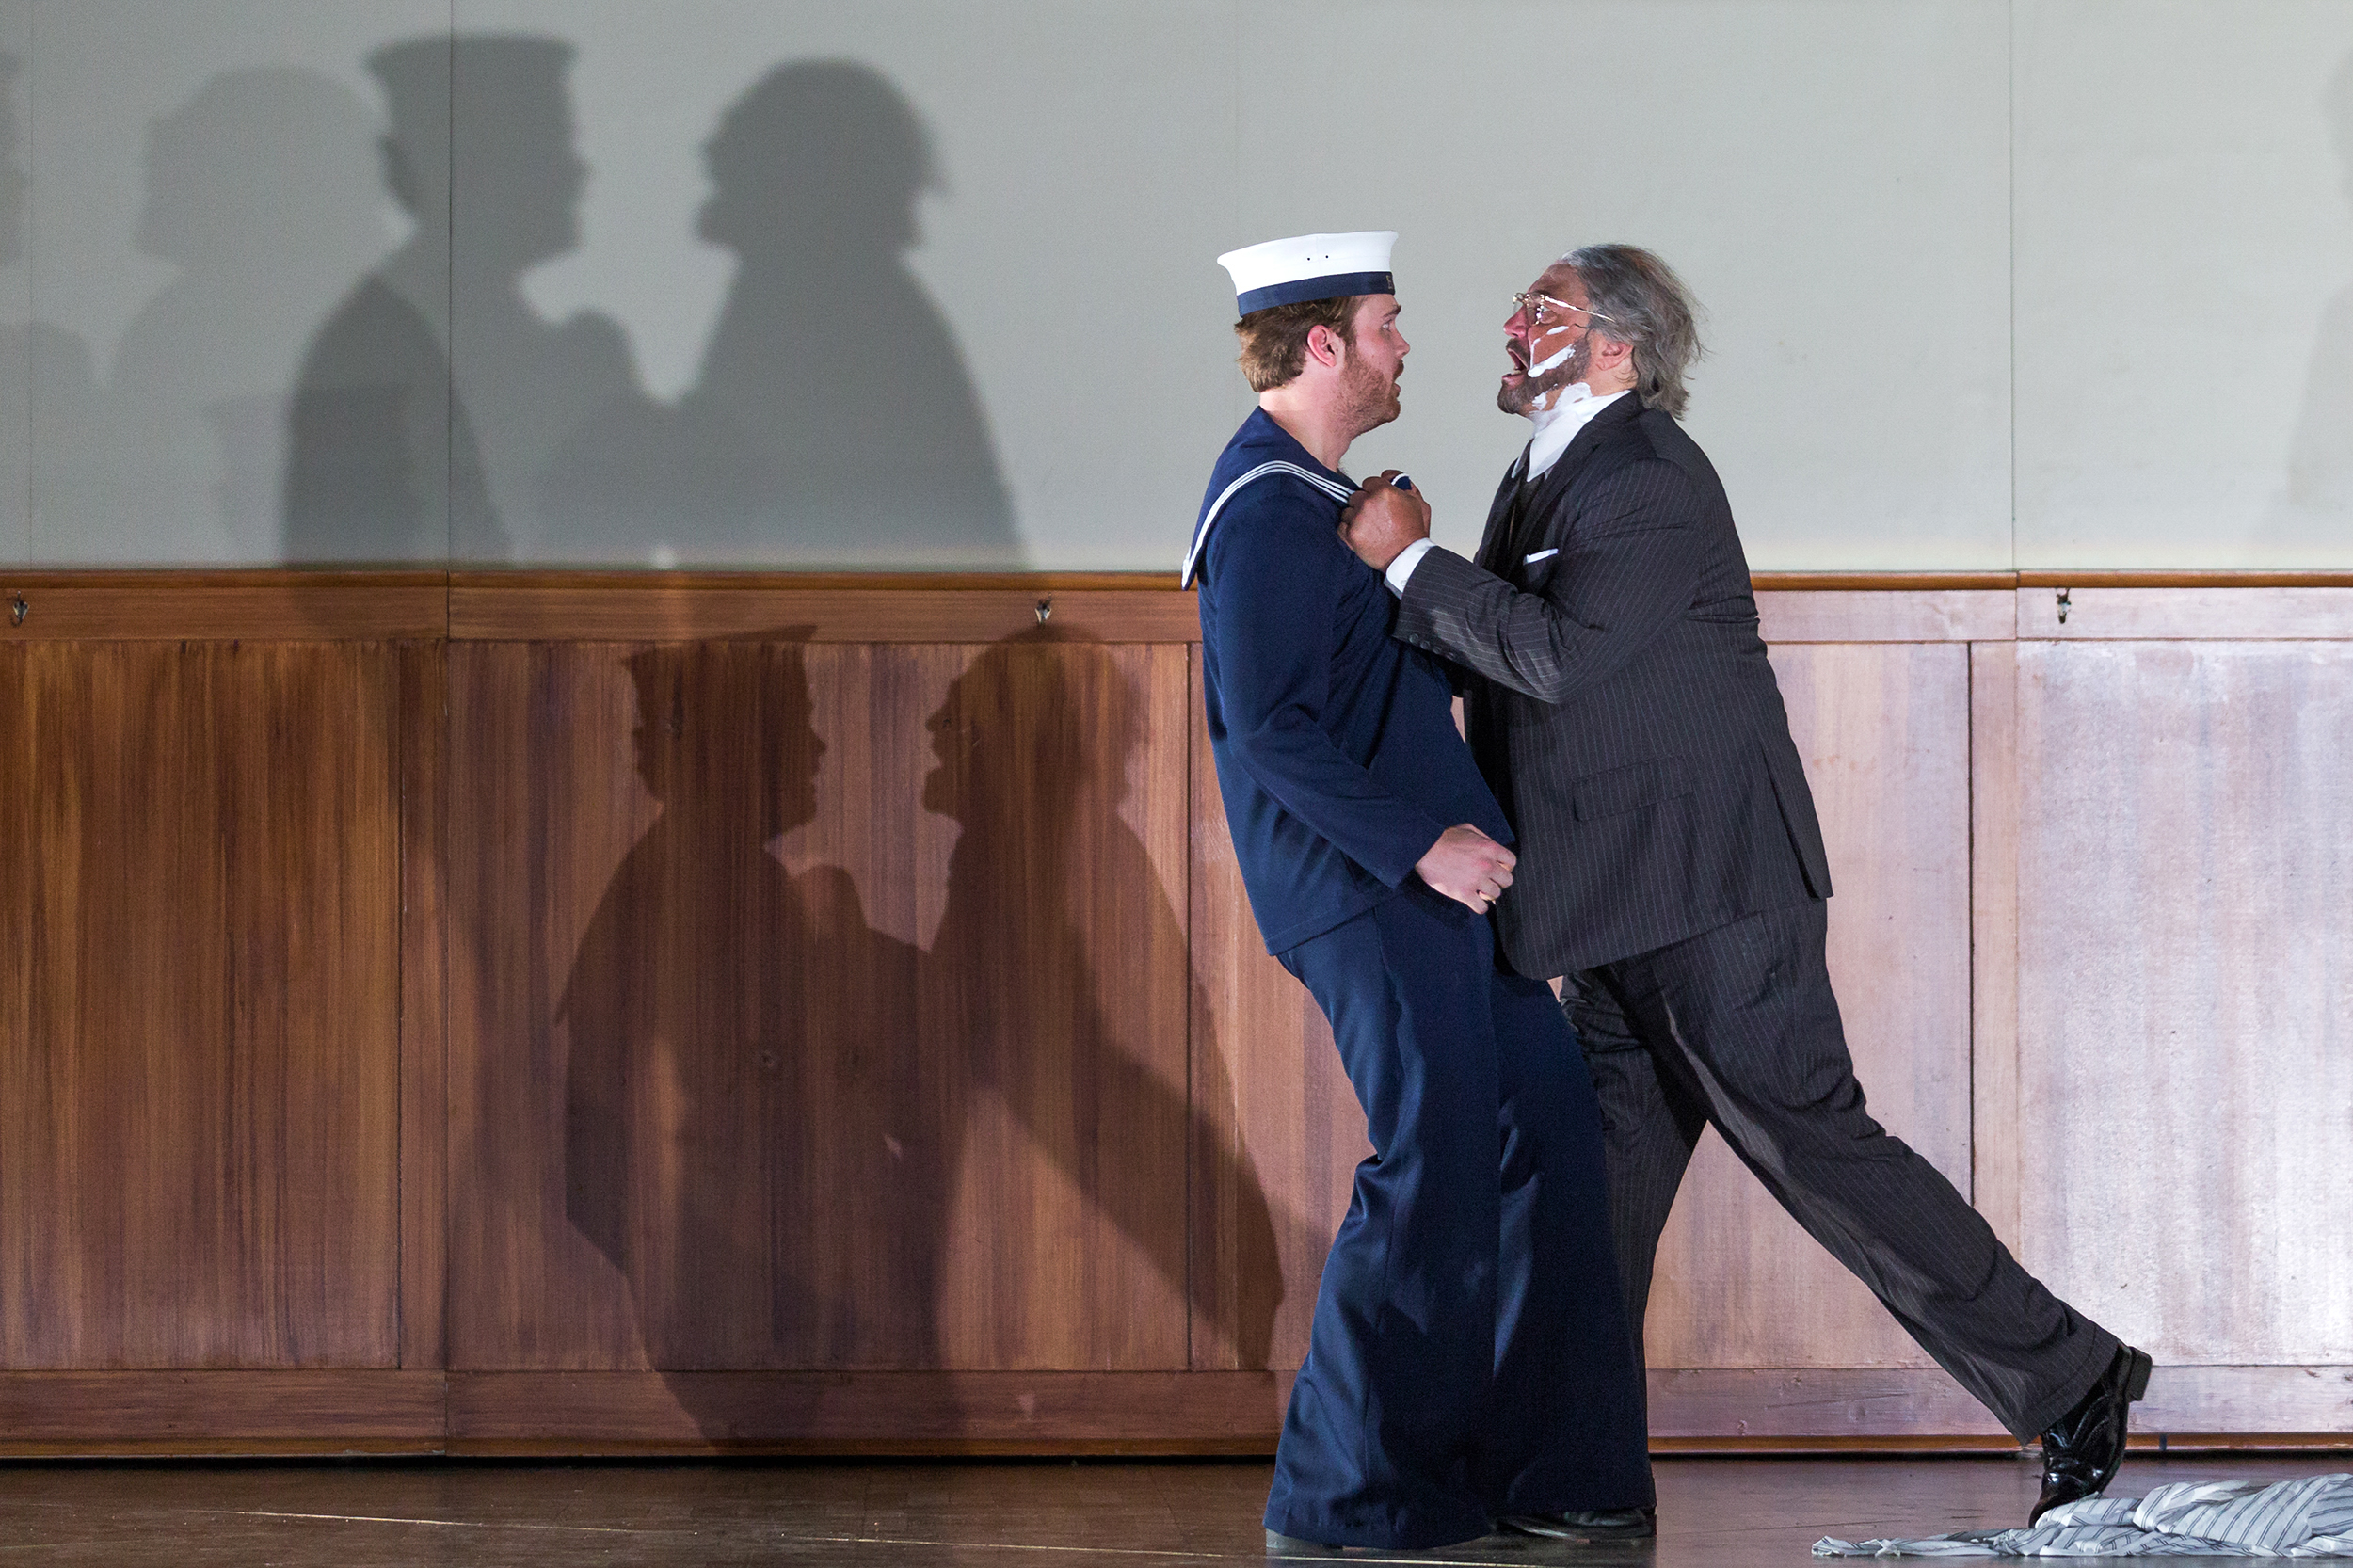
{"x":1469,"y":1360}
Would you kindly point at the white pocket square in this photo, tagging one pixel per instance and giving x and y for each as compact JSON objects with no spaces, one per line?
{"x":1540,"y":556}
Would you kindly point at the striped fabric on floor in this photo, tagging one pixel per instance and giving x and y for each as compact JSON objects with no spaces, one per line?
{"x":2312,"y":1517}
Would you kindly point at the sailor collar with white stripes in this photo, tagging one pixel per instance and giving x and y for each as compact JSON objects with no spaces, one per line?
{"x":1336,"y":490}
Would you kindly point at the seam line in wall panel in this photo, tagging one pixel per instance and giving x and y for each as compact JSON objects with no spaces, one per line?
{"x":450,"y":318}
{"x":31,"y":118}
{"x":444,"y":933}
{"x":400,"y":1007}
{"x":1969,"y":794}
{"x":440,"y":805}
{"x":2011,"y":159}
{"x":1193,"y":1241}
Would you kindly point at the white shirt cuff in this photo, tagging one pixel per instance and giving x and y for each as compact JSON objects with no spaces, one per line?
{"x":1402,"y":566}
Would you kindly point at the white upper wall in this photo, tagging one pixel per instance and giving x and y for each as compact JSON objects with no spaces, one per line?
{"x":2185,"y":339}
{"x":807,"y":353}
{"x":1827,"y":175}
{"x":205,"y":186}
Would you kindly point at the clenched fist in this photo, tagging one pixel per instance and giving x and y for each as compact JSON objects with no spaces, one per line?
{"x":1467,"y":866}
{"x":1380,"y":519}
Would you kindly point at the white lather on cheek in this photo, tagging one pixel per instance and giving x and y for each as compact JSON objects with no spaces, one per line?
{"x":1553,"y":363}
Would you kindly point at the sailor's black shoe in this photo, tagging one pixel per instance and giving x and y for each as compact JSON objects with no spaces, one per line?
{"x":1279,"y":1545}
{"x":1590,"y":1523}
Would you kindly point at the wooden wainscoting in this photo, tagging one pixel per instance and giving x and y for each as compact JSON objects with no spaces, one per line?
{"x":522,"y":1013}
{"x":200,"y":1004}
{"x":910,"y":1091}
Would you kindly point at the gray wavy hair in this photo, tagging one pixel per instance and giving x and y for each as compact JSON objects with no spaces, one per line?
{"x":1649,"y":310}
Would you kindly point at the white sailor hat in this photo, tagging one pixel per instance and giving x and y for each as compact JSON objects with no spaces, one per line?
{"x":1311,"y":266}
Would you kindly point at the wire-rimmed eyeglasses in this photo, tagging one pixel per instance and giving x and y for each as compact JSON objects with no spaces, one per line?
{"x":1533,"y":305}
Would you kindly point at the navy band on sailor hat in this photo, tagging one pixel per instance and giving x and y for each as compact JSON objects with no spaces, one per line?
{"x":1310,"y":266}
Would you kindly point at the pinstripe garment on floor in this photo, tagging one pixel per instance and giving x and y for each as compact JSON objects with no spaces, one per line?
{"x":2308,"y":1518}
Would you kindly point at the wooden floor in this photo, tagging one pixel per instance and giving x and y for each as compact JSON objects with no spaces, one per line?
{"x":1724,"y":1512}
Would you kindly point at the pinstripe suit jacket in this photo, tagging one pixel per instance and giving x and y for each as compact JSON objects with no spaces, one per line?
{"x":1619,"y":703}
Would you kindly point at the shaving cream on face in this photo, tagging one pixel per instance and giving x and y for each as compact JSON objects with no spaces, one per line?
{"x":1552,"y":397}
{"x":1553,"y":363}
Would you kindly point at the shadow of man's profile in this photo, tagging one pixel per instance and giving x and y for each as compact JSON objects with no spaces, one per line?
{"x":832,"y":422}
{"x":2313,"y":520}
{"x":1057,"y":957}
{"x":34,"y":358}
{"x":261,"y":194}
{"x":432,"y":398}
{"x":737,"y":1088}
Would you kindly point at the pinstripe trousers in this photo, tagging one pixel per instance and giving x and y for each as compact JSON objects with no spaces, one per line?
{"x":1737,"y":1028}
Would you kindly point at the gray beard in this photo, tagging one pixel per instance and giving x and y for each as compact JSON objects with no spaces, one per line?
{"x":1522,"y":398}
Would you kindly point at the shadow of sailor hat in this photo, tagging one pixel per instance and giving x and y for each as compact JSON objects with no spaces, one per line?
{"x":1310,"y":266}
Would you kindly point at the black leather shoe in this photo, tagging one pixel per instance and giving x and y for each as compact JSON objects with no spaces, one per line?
{"x":2080,"y":1454}
{"x":1590,"y":1523}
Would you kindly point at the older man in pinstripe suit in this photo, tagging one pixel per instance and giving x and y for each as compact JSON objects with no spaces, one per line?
{"x":1621,"y":705}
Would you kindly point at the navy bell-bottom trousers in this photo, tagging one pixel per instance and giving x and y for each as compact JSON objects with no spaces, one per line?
{"x":1469,"y":1357}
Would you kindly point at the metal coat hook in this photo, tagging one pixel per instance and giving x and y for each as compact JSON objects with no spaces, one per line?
{"x":1046,"y":608}
{"x":18,"y":610}
{"x":2062,"y":606}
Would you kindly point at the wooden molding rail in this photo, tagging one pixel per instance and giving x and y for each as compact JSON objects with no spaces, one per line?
{"x":868,"y":1413}
{"x":943,"y":1413}
{"x":185,"y":1412}
{"x":285,"y":605}
{"x":843,"y":610}
{"x":223,"y":606}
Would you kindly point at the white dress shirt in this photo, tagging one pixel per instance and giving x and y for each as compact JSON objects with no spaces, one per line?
{"x":1556,"y":427}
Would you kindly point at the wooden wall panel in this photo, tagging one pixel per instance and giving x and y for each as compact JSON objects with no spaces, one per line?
{"x":1995,"y":1149}
{"x":423,"y":720}
{"x":820,"y":1007}
{"x":530,"y":845}
{"x":1884,"y":732}
{"x":2185,"y":992}
{"x":199,"y":1070}
{"x":1055,"y":992}
{"x":1268,"y":1081}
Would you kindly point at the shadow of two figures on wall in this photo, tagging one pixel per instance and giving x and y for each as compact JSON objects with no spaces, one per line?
{"x":832,"y":420}
{"x":804,"y":1143}
{"x":262,"y":406}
